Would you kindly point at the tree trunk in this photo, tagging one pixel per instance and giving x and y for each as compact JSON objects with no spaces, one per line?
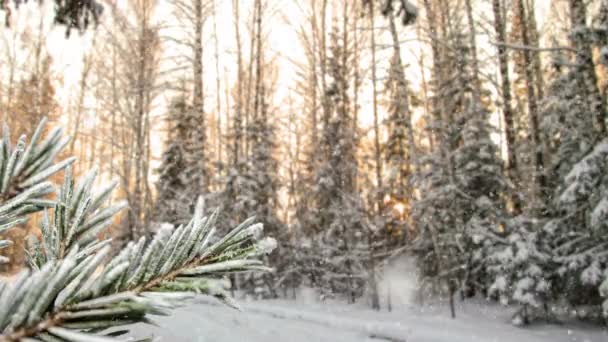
{"x":218,"y":90}
{"x":505,"y":84}
{"x":474,"y":61}
{"x":377,"y":147}
{"x":238,"y":124}
{"x":314,"y":80}
{"x":257,"y":104}
{"x":250,"y":84}
{"x":198,"y":96}
{"x":538,"y":177}
{"x":452,"y":290}
{"x":136,"y":203}
{"x":535,"y":42}
{"x":378,"y":159}
{"x":323,"y":64}
{"x":585,"y":65}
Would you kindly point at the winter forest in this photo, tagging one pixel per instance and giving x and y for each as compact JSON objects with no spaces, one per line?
{"x":335,"y":170}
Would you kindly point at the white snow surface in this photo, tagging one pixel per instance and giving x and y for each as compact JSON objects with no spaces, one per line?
{"x":289,"y":321}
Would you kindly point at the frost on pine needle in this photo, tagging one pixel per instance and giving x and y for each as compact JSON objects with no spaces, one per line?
{"x":255,"y":231}
{"x":266,"y":245}
{"x":24,"y":173}
{"x":144,"y":278}
{"x":78,"y":288}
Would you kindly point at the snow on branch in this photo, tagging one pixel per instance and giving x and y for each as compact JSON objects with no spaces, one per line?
{"x":77,"y":289}
{"x":24,"y":173}
{"x":70,"y":298}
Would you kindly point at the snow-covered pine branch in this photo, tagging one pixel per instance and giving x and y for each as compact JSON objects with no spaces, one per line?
{"x":24,"y":173}
{"x":77,"y":289}
{"x":77,"y":298}
{"x":78,"y":217}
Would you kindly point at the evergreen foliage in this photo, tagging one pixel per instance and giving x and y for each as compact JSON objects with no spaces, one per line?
{"x":196,"y":155}
{"x":398,"y":152}
{"x":566,"y":122}
{"x":78,"y":218}
{"x":174,"y":186}
{"x":25,"y":170}
{"x":557,"y":259}
{"x":77,"y":290}
{"x":460,"y":181}
{"x":561,"y":259}
{"x":254,"y":183}
{"x":517,"y":265}
{"x":339,"y":216}
{"x":577,"y":229}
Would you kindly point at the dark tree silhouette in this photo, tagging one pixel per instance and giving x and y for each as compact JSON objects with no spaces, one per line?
{"x":403,"y":8}
{"x":74,"y":14}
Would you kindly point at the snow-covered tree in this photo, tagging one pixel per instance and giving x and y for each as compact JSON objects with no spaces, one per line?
{"x":174,"y":188}
{"x":461,"y":180}
{"x":399,"y":147}
{"x":518,"y":263}
{"x":339,"y":216}
{"x":259,"y":186}
{"x":192,"y":16}
{"x":567,"y":123}
{"x":577,"y":230}
{"x":251,"y":186}
{"x":559,"y":261}
{"x":558,"y":258}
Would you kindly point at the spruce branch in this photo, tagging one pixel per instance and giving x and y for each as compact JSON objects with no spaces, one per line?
{"x":24,"y":173}
{"x":79,"y":297}
{"x":78,"y":218}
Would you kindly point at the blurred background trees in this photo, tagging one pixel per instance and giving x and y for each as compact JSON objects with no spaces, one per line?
{"x":357,"y":131}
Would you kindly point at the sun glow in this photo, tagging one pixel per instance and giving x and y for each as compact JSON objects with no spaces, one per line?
{"x":399,"y":208}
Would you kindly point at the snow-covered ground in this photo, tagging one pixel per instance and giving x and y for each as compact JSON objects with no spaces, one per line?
{"x":287,"y":321}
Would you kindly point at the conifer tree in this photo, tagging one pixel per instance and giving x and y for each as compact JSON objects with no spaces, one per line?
{"x":400,"y":145}
{"x":558,"y":257}
{"x":173,"y":187}
{"x":261,"y":184}
{"x":460,"y":182}
{"x":340,"y":217}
